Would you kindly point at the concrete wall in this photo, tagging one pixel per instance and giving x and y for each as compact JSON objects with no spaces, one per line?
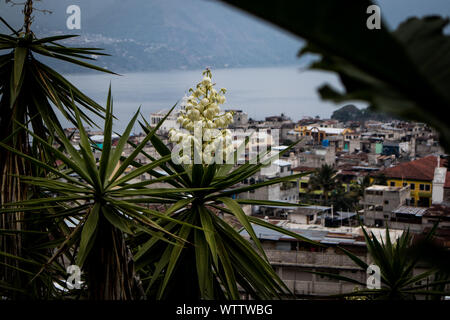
{"x":293,"y":266}
{"x":317,"y":158}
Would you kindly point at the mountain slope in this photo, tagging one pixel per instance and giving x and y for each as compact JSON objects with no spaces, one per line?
{"x":166,"y":34}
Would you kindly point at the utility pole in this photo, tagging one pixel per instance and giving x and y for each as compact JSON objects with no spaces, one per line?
{"x":332,"y":215}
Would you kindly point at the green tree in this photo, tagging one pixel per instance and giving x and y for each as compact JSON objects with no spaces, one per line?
{"x":324,"y":179}
{"x":380,"y":179}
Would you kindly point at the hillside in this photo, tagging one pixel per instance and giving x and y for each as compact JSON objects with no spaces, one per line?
{"x":352,"y":113}
{"x":165,"y":34}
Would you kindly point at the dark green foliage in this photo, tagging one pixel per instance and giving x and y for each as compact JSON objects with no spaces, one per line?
{"x":325,"y":179}
{"x":214,"y":259}
{"x":99,"y":201}
{"x":28,"y":89}
{"x":351,"y":113}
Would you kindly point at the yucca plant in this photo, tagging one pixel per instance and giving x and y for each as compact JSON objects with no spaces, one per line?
{"x":28,"y":91}
{"x":101,"y":203}
{"x":215,"y":261}
{"x":396,"y":263}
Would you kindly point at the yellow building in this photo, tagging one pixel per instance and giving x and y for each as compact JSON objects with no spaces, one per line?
{"x":420,"y":190}
{"x":418,"y":174}
{"x":321,"y":133}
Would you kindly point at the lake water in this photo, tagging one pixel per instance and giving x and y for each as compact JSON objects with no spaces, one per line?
{"x":258,"y":91}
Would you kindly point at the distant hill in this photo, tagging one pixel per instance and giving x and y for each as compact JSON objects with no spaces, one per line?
{"x":144,"y":35}
{"x":351,"y":113}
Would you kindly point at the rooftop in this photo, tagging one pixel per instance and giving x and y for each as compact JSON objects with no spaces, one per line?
{"x":439,"y":210}
{"x":383,"y":188}
{"x":281,"y":163}
{"x":416,"y":211}
{"x":327,"y":130}
{"x":421,"y":169}
{"x":322,"y":234}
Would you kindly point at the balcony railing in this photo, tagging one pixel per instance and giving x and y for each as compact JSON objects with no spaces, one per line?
{"x":318,"y":288}
{"x":305,"y":258}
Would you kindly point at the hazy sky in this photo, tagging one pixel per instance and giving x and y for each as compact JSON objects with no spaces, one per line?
{"x":395,"y":11}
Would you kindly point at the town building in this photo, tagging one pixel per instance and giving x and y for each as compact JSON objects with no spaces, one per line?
{"x":295,"y":260}
{"x":320,"y":132}
{"x":419,"y":176}
{"x":380,"y":201}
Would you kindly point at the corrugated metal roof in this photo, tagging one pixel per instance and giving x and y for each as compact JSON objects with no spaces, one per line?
{"x":417,"y":211}
{"x":322,"y":236}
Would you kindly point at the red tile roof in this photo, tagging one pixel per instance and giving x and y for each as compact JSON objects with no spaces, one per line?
{"x":421,"y":169}
{"x":303,"y":169}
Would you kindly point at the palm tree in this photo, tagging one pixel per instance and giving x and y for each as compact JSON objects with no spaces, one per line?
{"x":324,"y":179}
{"x":28,"y":88}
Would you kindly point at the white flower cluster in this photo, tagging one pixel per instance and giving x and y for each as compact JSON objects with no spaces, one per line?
{"x":205,"y":123}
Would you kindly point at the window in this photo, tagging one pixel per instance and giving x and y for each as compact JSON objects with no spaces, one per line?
{"x":379,"y":223}
{"x":405,"y":184}
{"x":392,"y":184}
{"x":421,"y":186}
{"x":303,"y":185}
{"x":386,"y":201}
{"x":413,"y":186}
{"x":427,"y":187}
